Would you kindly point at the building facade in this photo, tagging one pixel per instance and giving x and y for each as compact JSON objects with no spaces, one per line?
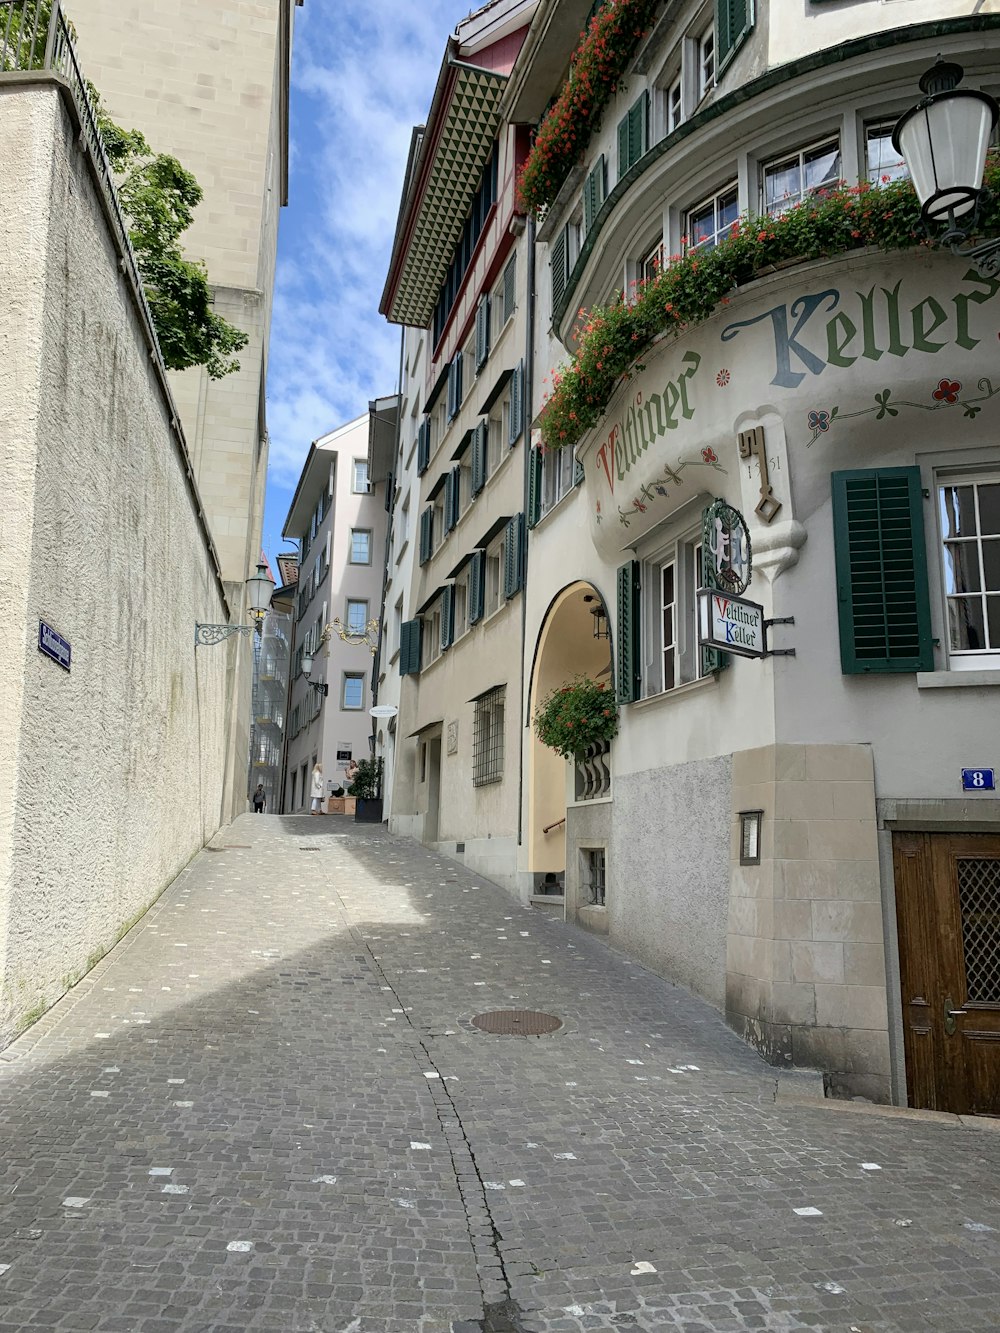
{"x":339,"y":520}
{"x":789,"y":836}
{"x":458,"y":281}
{"x":210,"y":85}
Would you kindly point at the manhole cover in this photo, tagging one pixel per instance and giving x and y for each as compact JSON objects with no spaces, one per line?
{"x":517,"y":1022}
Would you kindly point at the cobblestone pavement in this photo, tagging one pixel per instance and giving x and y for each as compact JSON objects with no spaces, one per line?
{"x":268,"y":1109}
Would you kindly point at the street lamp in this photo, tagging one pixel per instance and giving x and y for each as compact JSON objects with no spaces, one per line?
{"x":259,"y":589}
{"x":944,"y":140}
{"x":307,"y":666}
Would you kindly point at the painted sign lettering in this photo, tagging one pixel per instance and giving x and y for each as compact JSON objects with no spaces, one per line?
{"x":868,"y":324}
{"x":647,"y":417}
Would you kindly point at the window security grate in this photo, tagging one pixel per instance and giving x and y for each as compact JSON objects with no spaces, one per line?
{"x":594,"y":874}
{"x":979,"y":896}
{"x":487,"y":738}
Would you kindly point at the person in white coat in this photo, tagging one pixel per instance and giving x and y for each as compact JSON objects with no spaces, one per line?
{"x":317,"y":790}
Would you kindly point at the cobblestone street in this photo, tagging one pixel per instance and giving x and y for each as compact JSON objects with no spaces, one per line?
{"x":268,"y":1109}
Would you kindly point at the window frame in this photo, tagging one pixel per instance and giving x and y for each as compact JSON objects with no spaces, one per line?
{"x":355,"y":488}
{"x":358,"y":532}
{"x":713,"y":201}
{"x":814,"y":148}
{"x":489,"y":717}
{"x":351,"y":676}
{"x":880,"y":175}
{"x":357,"y":601}
{"x":681,"y":550}
{"x":557,"y":480}
{"x":708,"y":67}
{"x":966,"y":659}
{"x":494,"y":556}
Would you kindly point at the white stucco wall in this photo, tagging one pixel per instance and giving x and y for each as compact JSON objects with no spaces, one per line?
{"x":112,"y":774}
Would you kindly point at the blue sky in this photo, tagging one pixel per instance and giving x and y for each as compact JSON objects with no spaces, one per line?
{"x":363,"y":76}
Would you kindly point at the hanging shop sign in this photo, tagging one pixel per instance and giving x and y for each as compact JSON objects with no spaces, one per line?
{"x":727,"y":540}
{"x":54,"y":645}
{"x":731,"y":623}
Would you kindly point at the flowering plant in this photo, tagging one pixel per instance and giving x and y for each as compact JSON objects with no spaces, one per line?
{"x":596,"y":71}
{"x":690,"y":287}
{"x":576,"y":715}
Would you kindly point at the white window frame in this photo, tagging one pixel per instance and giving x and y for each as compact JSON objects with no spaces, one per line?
{"x":493,"y":596}
{"x":673,"y":103}
{"x":460,"y":603}
{"x":497,"y":433}
{"x":967,"y":659}
{"x":352,"y":676}
{"x":500,"y":317}
{"x":430,"y":647}
{"x":652,"y":262}
{"x":682,"y":550}
{"x":558,"y":469}
{"x":358,"y":532}
{"x":365,"y":487}
{"x":719,"y":230}
{"x":707,"y":67}
{"x":357,"y":601}
{"x":879,"y":174}
{"x":817,"y":148}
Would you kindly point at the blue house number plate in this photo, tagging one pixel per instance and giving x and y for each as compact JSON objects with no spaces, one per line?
{"x":978,"y":779}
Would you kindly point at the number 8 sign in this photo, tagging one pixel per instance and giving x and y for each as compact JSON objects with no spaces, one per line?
{"x":978,"y":779}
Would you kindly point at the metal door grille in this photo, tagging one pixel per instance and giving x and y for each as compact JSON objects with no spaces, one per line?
{"x":979,"y":900}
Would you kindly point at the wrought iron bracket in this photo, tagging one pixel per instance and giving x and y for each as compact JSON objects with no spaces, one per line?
{"x":958,"y":237}
{"x":209,"y":634}
{"x":320,"y":686}
{"x":777,"y":652}
{"x":985,"y":256}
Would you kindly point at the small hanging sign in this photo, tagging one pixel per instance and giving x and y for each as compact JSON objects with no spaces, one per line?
{"x":731,"y":623}
{"x":727,"y":542}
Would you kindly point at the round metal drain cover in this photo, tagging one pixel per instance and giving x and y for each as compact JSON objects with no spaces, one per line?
{"x":517,"y":1022}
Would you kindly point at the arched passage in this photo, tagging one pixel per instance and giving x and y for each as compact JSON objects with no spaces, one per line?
{"x":567,"y":647}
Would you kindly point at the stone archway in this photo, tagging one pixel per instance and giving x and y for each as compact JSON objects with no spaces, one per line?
{"x":566,"y":648}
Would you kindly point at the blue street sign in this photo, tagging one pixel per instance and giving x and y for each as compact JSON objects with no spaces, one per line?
{"x":978,"y":779}
{"x":53,"y":645}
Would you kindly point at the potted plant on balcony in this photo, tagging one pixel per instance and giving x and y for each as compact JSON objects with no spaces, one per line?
{"x":366,"y":787}
{"x":575,"y":716}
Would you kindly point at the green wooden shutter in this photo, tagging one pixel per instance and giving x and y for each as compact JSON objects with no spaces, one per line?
{"x":409,"y":648}
{"x":733,"y":22}
{"x":578,"y":472}
{"x":623,"y":162}
{"x":513,"y":552}
{"x":509,"y":294}
{"x":455,"y":385}
{"x":534,"y":487}
{"x":881,"y":565}
{"x":629,"y":660}
{"x":479,"y":440}
{"x":451,"y":498}
{"x":447,"y":617}
{"x":426,"y":535}
{"x":558,"y":264}
{"x":593,"y":194}
{"x":390,"y":491}
{"x":424,"y":446}
{"x":477,"y":568}
{"x":482,"y":332}
{"x":638,"y":120}
{"x":516,"y":405}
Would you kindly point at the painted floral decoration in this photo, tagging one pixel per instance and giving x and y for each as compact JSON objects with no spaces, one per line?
{"x":598,"y":65}
{"x":722,"y":379}
{"x":818,"y":421}
{"x":577,"y":715}
{"x":612,"y":340}
{"x":709,"y":455}
{"x":947,"y":391}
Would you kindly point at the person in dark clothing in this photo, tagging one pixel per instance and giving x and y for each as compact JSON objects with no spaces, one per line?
{"x":259,"y":799}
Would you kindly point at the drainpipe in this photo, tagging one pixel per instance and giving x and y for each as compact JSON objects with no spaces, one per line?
{"x":529,"y":361}
{"x":377,"y":663}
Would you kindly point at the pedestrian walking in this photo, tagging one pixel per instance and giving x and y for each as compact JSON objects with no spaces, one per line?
{"x":317,"y":790}
{"x":259,"y":799}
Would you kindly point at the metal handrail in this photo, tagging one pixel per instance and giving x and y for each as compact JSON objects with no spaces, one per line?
{"x":549,"y":827}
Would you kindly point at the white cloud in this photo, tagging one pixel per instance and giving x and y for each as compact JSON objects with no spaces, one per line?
{"x":364,"y":74}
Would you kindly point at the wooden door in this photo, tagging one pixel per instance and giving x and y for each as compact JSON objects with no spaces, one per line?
{"x":948,"y":917}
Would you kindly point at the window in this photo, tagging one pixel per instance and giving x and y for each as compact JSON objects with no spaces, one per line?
{"x":403,"y":527}
{"x":482,"y":202}
{"x":563,"y":254}
{"x":594,"y":192}
{"x":711,"y":221}
{"x":497,"y":430}
{"x":969,"y":511}
{"x":460,"y":602}
{"x":651,"y":264}
{"x":706,"y":62}
{"x":791,"y":179}
{"x":431,"y":646}
{"x":883,"y":162}
{"x":593,"y":874}
{"x":357,"y":616}
{"x":353,"y":696}
{"x":361,"y":546}
{"x":397,"y":624}
{"x":558,"y":467}
{"x":503,"y":299}
{"x":671,"y":577}
{"x":673,"y":105}
{"x":487,"y":737}
{"x":359,"y":483}
{"x":494,"y":576}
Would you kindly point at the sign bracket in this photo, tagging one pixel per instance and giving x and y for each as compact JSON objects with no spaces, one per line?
{"x":777,"y":652}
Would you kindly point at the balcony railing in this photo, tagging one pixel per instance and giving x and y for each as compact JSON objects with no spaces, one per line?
{"x":593,"y":772}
